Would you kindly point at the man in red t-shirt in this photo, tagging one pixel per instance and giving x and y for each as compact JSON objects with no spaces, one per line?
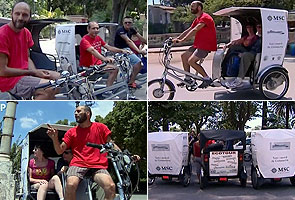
{"x":18,"y":75}
{"x":90,"y":51}
{"x":203,"y":28}
{"x":84,"y":157}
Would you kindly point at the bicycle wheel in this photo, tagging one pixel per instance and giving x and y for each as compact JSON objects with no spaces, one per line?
{"x":274,"y":84}
{"x":159,"y":91}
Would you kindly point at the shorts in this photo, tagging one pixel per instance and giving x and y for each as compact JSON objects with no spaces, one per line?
{"x":25,"y":87}
{"x":134,"y":59}
{"x":199,"y":52}
{"x":80,"y":172}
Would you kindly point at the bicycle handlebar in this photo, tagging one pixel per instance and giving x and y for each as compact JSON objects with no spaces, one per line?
{"x":67,"y":78}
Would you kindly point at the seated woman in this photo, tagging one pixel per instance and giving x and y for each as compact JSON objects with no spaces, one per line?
{"x":41,"y":174}
{"x":241,"y":45}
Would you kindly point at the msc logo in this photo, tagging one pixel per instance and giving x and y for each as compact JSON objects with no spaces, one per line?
{"x":64,"y":31}
{"x":280,"y":170}
{"x":164,"y":168}
{"x":276,"y":18}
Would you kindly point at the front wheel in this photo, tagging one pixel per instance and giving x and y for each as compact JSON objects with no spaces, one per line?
{"x":274,"y":84}
{"x":158,"y":90}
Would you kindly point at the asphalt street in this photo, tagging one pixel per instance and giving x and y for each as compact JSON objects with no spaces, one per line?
{"x":230,"y":190}
{"x":155,"y":70}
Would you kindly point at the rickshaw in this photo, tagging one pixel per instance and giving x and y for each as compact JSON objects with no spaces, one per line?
{"x":220,"y":161}
{"x":168,"y":157}
{"x":272,"y":156}
{"x":266,"y":72}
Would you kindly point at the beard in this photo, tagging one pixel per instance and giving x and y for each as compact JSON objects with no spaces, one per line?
{"x":19,"y":24}
{"x":194,"y":11}
{"x":82,"y":118}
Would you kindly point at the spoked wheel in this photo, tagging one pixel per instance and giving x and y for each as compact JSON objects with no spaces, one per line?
{"x":274,"y":84}
{"x":161,"y":91}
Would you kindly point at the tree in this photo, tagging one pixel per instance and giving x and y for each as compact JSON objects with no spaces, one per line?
{"x":284,"y":109}
{"x":63,"y":122}
{"x":236,"y":114}
{"x":264,"y":114}
{"x":5,"y":8}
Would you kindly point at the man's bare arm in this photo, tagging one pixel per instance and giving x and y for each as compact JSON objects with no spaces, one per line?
{"x":96,"y":54}
{"x":53,"y":134}
{"x":193,"y":31}
{"x":109,"y":139}
{"x":141,"y":38}
{"x":131,"y":44}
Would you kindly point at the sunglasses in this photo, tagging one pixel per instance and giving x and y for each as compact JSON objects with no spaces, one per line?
{"x":127,"y":22}
{"x":258,"y":26}
{"x":67,"y":152}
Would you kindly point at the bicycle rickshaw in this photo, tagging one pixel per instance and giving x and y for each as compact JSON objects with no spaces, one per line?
{"x":219,"y":160}
{"x":87,"y":190}
{"x":266,"y":73}
{"x":272,"y":156}
{"x":168,"y":157}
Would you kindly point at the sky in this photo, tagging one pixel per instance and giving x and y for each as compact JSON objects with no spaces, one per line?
{"x":30,"y":114}
{"x":150,"y":2}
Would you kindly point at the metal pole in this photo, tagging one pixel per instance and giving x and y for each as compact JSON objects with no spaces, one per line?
{"x":7,"y":133}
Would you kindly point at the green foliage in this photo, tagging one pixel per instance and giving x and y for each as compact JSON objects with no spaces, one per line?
{"x":15,"y":157}
{"x":63,"y":122}
{"x":128,"y":124}
{"x":183,"y":14}
{"x":282,"y":110}
{"x":5,"y":8}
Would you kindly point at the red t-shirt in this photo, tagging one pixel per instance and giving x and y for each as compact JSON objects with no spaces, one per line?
{"x":197,"y":149}
{"x":41,"y":172}
{"x":205,"y":38}
{"x":86,"y":58}
{"x":15,"y":46}
{"x":83,"y":156}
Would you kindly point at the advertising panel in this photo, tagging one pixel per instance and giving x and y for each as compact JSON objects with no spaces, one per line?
{"x":223,"y":163}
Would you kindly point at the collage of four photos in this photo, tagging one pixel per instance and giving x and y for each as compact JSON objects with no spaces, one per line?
{"x":147,"y":99}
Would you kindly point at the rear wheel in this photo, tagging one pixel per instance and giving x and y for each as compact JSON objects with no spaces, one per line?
{"x":203,"y":180}
{"x":151,"y":179}
{"x":256,"y":181}
{"x":158,"y":90}
{"x":243,"y":182}
{"x":274,"y":84}
{"x":292,"y":180}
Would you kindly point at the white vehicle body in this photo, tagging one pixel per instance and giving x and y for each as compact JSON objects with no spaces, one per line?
{"x":273,"y":152}
{"x":167,"y":152}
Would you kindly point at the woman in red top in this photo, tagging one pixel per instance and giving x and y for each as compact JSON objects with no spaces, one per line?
{"x":41,"y":173}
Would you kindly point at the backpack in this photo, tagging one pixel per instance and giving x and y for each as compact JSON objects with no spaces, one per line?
{"x":233,"y":65}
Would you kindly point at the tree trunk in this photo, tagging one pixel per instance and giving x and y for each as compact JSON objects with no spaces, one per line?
{"x":287,"y":115}
{"x":119,"y":9}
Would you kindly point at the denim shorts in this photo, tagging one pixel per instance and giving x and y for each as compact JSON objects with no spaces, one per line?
{"x":134,"y":59}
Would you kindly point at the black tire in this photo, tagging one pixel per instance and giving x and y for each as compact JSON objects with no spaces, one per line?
{"x":157,"y":93}
{"x":185,"y":178}
{"x":243,"y":182}
{"x":247,"y":157}
{"x":256,"y":181}
{"x":151,"y":179}
{"x":269,"y":83}
{"x":203,"y":180}
{"x":292,"y":180}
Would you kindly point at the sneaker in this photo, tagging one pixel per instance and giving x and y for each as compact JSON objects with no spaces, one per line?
{"x":189,"y":80}
{"x":238,"y":82}
{"x":206,"y":83}
{"x":134,"y":85}
{"x":107,"y":94}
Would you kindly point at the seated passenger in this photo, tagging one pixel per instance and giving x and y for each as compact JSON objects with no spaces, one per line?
{"x":241,"y":45}
{"x":41,"y":174}
{"x":63,"y":163}
{"x":246,"y":59}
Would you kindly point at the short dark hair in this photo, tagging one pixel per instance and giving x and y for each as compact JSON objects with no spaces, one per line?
{"x":21,"y":2}
{"x":43,"y":149}
{"x":89,"y":24}
{"x":88,"y":109}
{"x":199,"y":3}
{"x":128,"y":17}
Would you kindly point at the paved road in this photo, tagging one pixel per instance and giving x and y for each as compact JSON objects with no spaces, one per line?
{"x":230,"y":190}
{"x":212,"y":93}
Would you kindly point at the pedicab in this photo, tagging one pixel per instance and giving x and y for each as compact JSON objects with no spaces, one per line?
{"x":168,"y":157}
{"x":221,"y":161}
{"x":39,"y":136}
{"x":265,"y":73}
{"x":272,"y":156}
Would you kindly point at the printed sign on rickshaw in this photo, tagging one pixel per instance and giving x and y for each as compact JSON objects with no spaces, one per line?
{"x":223,"y":163}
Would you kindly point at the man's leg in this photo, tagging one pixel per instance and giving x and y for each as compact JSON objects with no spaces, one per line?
{"x":71,"y":187}
{"x":184,"y":58}
{"x":106,"y":182}
{"x":113,"y":72}
{"x":45,"y":94}
{"x":246,"y":60}
{"x":193,"y":62}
